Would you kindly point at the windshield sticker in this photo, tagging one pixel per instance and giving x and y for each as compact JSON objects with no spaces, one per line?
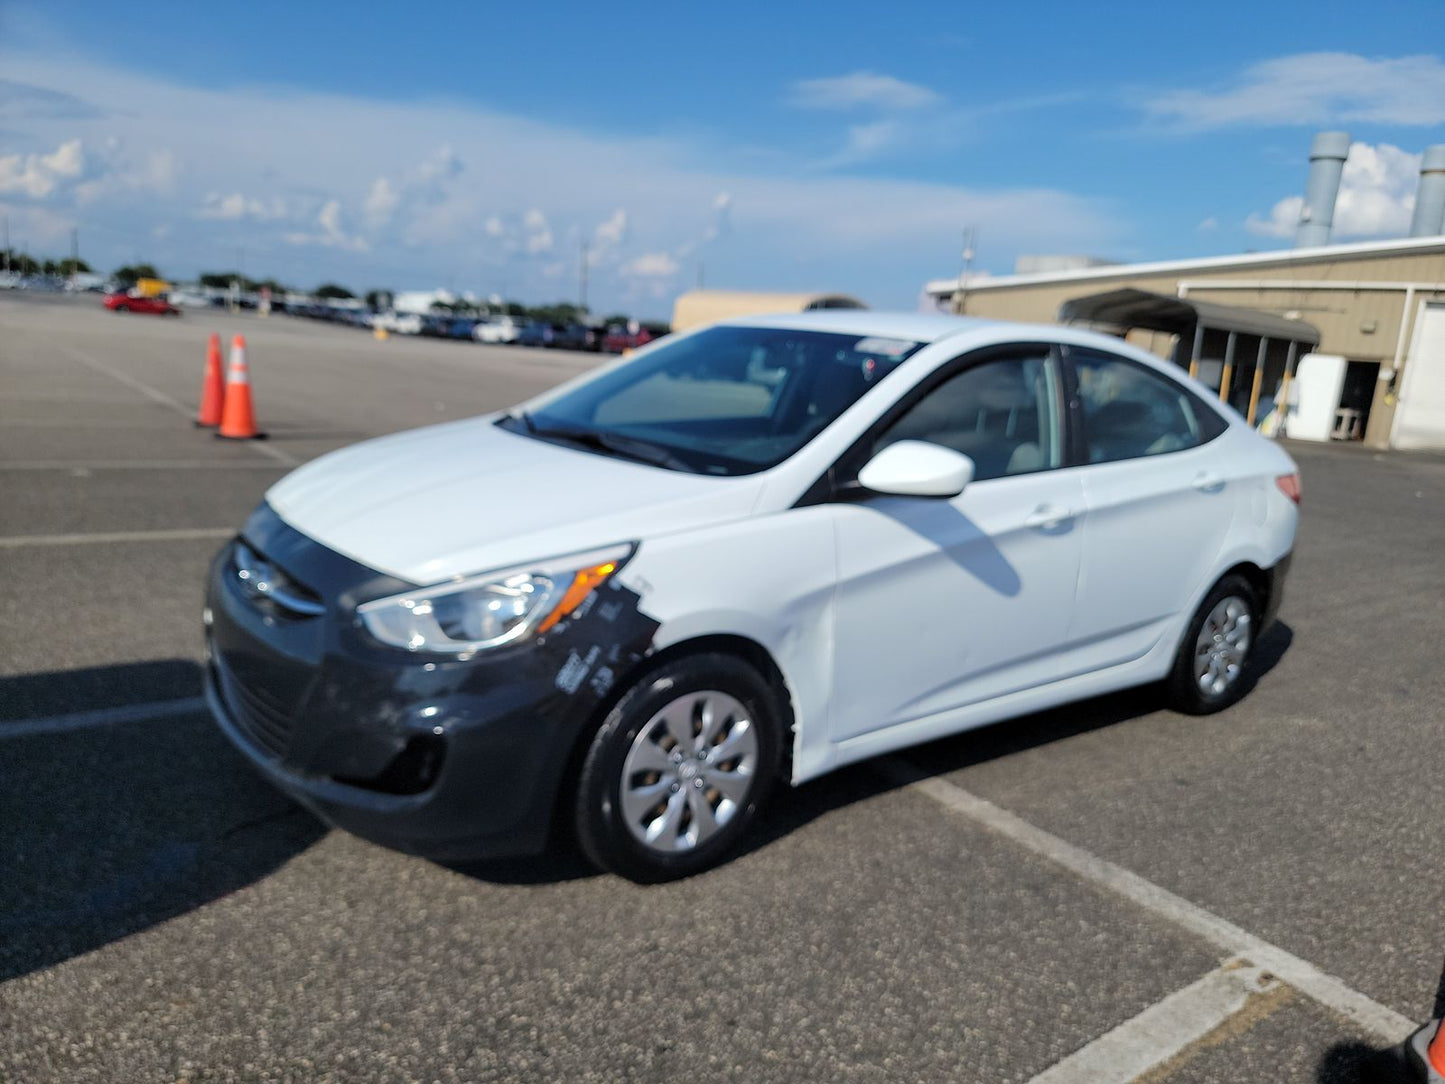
{"x":889,"y":348}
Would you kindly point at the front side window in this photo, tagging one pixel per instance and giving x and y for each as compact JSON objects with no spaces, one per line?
{"x":725,"y":401}
{"x":1130,"y":412}
{"x":1002,"y":414}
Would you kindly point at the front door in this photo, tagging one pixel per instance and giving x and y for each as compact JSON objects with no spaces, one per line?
{"x":946,"y":603}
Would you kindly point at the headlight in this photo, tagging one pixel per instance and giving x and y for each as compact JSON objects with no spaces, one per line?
{"x":498,"y":608}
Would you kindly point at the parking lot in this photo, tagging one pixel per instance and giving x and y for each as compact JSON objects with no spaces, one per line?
{"x":979,"y":910}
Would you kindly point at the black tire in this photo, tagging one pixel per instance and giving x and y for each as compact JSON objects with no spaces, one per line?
{"x":122,"y":308}
{"x":603,"y":833}
{"x":1183,"y":686}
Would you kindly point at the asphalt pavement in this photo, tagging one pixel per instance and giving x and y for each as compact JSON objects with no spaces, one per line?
{"x":166,"y":915}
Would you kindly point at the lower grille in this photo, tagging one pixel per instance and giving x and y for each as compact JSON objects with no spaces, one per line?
{"x":258,"y":714}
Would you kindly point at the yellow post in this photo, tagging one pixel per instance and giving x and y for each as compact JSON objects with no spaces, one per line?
{"x":1254,"y":394}
{"x":1258,"y":376}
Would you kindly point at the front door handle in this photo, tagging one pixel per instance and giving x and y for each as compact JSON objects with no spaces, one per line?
{"x":1049,"y":516}
{"x":1208,"y":483}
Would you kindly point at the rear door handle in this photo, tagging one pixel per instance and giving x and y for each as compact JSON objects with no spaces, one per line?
{"x":1208,"y":483}
{"x":1049,"y":516}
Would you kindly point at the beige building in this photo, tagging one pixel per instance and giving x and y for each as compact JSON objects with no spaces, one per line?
{"x":697,"y":307}
{"x":1380,"y":305}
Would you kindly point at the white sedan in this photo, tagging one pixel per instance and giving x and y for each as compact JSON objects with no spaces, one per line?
{"x":746,"y":555}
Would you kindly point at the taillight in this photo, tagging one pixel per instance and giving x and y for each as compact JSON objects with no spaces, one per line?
{"x":1289,"y":485}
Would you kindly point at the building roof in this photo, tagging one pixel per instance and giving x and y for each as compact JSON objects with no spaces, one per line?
{"x":922,"y":327}
{"x":1424,"y":246}
{"x":1140,"y":308}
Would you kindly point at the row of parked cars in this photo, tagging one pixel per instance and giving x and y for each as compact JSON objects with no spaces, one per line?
{"x":516,"y":331}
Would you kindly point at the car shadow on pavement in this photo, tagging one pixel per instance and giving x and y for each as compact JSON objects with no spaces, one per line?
{"x":111,"y":828}
{"x":790,"y":809}
{"x":1357,"y":1063}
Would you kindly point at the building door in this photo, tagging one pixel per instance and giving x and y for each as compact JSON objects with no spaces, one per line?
{"x":1420,"y":415}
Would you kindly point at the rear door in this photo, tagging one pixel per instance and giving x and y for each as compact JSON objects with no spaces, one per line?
{"x":1160,"y":501}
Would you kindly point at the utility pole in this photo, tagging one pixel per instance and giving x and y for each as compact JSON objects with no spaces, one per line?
{"x":582,"y":293}
{"x":74,"y":255}
{"x":970,"y":239}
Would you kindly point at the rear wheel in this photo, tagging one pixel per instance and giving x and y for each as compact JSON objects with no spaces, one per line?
{"x":678,"y":769}
{"x":1211,"y":667}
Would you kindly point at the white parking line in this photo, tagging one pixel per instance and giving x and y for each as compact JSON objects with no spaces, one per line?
{"x":165,"y":400}
{"x":88,"y":720}
{"x":1302,"y":975}
{"x":1161,"y":1031}
{"x":183,"y":534}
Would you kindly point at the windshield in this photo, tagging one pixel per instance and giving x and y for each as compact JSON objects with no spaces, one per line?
{"x":726,"y":401}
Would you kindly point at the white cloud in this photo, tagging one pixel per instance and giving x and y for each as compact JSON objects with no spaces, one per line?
{"x":651,"y":265}
{"x":381,"y":202}
{"x":237,"y":206}
{"x":611,"y":233}
{"x":539,"y":233}
{"x":331,"y":235}
{"x":1281,"y":221}
{"x":1313,"y":89}
{"x":1377,"y":196}
{"x":860,"y":89}
{"x":1208,"y":225}
{"x":786,"y":225}
{"x":39,"y":175}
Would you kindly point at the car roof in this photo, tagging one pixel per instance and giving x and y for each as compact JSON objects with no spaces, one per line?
{"x":922,"y":327}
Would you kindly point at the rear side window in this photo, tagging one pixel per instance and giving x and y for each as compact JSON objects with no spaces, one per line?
{"x":1130,"y":412}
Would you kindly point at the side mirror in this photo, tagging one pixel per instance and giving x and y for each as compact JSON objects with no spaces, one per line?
{"x":916,"y":468}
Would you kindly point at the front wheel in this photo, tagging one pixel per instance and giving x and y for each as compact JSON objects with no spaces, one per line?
{"x":678,"y":770}
{"x":1210,"y":670}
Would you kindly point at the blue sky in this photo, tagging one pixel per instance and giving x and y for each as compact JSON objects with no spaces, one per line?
{"x":479,"y":147}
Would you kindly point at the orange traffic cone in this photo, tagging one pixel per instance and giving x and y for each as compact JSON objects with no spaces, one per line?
{"x":1436,"y":1050}
{"x":238,"y":419}
{"x":212,"y":387}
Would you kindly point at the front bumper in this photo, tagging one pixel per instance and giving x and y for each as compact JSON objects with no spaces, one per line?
{"x":426,"y":754}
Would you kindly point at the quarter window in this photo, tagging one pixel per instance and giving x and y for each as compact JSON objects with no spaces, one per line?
{"x":1002,"y":414}
{"x":1129,"y":412}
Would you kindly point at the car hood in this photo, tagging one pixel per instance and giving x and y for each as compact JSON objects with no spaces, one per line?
{"x":451,"y":500}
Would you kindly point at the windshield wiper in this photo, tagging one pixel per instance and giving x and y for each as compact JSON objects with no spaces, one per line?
{"x":602,"y":441}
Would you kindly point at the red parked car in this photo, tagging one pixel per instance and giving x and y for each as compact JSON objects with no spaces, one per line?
{"x":622,"y":337}
{"x":136,"y":303}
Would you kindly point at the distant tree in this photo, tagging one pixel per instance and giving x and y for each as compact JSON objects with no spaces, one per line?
{"x":331,"y":291}
{"x":275,"y":287}
{"x":563,"y":312}
{"x":131,"y":272}
{"x":378,"y":300}
{"x":69,"y":267}
{"x":218,"y":280}
{"x":49,"y":267}
{"x":22,"y":263}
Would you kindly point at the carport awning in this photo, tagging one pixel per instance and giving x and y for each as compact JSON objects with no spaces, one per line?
{"x":1158,"y":312}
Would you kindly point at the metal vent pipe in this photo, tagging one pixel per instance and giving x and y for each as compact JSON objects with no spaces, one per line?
{"x":1429,"y":217}
{"x":1327,"y":161}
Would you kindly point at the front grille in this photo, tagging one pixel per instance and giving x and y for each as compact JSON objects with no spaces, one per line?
{"x":258,"y":714}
